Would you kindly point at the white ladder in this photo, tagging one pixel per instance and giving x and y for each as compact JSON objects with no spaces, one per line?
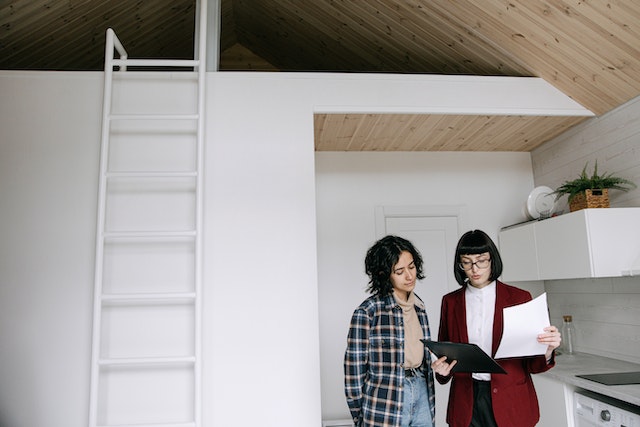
{"x":146,"y":348}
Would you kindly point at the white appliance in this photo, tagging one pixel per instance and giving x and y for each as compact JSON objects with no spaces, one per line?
{"x":596,"y":410}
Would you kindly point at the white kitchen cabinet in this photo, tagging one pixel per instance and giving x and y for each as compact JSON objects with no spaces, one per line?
{"x":587,"y":243}
{"x":520,"y":263}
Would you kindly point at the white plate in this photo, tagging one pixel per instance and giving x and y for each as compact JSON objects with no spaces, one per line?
{"x":541,"y":202}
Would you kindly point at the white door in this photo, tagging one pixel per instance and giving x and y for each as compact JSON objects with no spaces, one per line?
{"x":436,"y":238}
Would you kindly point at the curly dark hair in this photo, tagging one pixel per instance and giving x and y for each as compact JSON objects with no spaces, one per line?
{"x":472,"y":243}
{"x":381,"y":258}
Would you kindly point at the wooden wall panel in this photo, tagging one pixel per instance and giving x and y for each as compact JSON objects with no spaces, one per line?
{"x":612,"y":140}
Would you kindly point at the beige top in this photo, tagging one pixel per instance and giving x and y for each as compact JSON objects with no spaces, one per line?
{"x":413,"y":347}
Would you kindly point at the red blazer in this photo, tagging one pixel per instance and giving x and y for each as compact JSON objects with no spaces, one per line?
{"x":513,"y":396}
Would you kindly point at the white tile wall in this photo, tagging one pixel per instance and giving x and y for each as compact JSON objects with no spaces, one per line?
{"x":606,"y":312}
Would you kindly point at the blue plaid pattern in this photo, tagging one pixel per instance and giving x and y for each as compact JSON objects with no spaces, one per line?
{"x":374,"y":362}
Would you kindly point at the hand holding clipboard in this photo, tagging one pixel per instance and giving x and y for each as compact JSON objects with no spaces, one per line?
{"x":470,"y":357}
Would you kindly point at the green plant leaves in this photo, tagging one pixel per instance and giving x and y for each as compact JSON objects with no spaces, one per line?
{"x":595,"y":181}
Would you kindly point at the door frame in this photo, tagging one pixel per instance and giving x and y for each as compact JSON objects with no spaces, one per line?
{"x":384,"y":212}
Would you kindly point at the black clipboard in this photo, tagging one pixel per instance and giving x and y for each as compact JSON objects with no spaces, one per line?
{"x":470,"y":357}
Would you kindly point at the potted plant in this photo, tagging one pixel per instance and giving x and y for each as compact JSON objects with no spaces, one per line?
{"x":591,"y":191}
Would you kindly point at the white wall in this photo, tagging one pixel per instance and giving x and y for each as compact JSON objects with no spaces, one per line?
{"x":261,"y":223}
{"x":49,"y":126}
{"x":261,"y":297}
{"x":606,"y":312}
{"x":261,"y":333}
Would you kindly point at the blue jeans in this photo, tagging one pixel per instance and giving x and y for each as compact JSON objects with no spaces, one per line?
{"x":415,"y":404}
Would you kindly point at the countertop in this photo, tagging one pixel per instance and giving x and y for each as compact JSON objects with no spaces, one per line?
{"x":568,"y":366}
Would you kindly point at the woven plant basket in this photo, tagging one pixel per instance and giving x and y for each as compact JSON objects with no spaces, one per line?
{"x":596,"y":198}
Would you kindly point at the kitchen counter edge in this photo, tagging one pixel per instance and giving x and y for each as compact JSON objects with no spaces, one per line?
{"x":568,"y":366}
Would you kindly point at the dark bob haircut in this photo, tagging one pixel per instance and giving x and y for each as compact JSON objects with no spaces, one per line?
{"x":473,"y":243}
{"x":380,"y":259}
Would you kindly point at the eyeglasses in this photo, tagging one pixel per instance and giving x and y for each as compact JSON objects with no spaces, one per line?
{"x":468,"y":265}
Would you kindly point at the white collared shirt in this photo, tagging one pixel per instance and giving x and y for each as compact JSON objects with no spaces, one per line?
{"x":480,"y":309}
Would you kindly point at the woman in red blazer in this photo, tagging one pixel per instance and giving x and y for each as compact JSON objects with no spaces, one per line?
{"x":473,"y":314}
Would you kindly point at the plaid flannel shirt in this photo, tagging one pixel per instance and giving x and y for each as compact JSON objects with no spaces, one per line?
{"x":374,"y":362}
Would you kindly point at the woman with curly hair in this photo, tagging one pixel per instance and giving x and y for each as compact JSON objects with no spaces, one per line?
{"x":388,"y":377}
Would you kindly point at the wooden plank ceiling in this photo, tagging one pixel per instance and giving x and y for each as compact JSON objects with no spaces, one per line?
{"x":588,"y":49}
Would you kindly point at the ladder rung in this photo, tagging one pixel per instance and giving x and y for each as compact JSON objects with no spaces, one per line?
{"x":133,"y":361}
{"x":147,"y":234}
{"x":185,"y":174}
{"x":153,"y":116}
{"x":187,"y":424}
{"x":156,"y":62}
{"x":149,"y":297}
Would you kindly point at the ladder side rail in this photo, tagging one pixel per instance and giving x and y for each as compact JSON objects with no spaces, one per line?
{"x":202,"y":74}
{"x":117,"y":44}
{"x":100,"y":225}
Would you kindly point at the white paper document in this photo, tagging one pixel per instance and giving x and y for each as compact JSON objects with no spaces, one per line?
{"x":522,"y":325}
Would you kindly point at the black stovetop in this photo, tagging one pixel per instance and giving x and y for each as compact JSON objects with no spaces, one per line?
{"x":615,"y":378}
